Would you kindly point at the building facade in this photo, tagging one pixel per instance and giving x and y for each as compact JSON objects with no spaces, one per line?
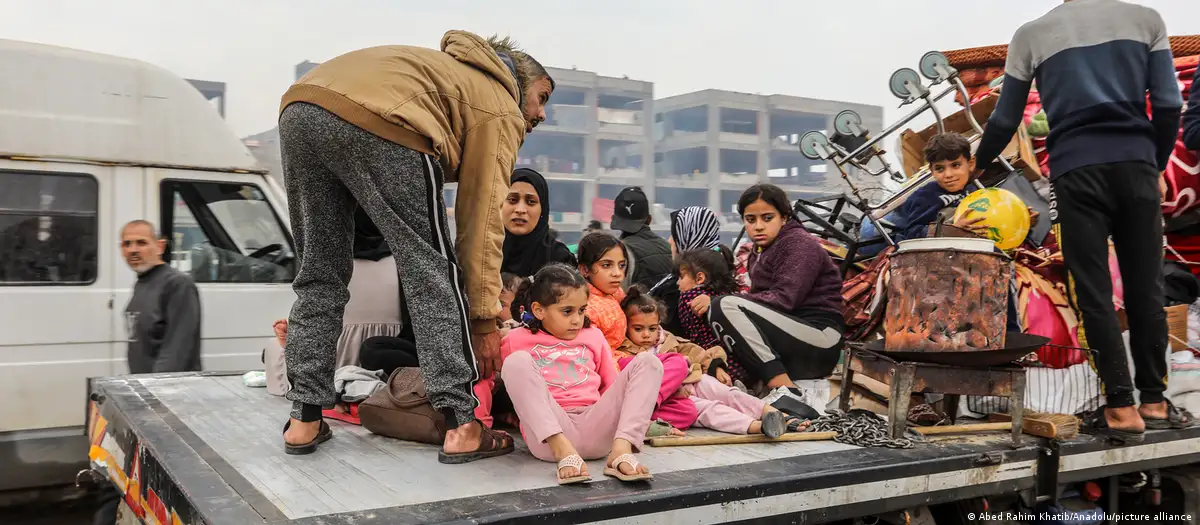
{"x":712,"y":145}
{"x":603,"y":134}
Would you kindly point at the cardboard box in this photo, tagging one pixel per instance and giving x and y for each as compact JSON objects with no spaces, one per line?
{"x":1019,"y":151}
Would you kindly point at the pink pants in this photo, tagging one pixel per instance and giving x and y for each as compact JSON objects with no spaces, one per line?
{"x":623,"y":411}
{"x":724,"y":408}
{"x":680,"y":412}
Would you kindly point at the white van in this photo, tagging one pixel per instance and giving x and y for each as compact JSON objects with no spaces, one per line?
{"x":89,"y":142}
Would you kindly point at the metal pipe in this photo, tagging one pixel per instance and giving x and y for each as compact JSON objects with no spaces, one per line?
{"x":891,"y":129}
{"x":937,"y":117}
{"x":962,"y":90}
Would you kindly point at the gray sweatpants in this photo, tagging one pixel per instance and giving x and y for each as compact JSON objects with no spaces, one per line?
{"x":329,"y":165}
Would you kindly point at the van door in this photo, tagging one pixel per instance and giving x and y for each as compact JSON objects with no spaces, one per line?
{"x":56,"y":242}
{"x":224,"y":231}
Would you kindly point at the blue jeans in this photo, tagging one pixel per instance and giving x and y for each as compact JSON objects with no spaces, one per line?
{"x":869,"y":233}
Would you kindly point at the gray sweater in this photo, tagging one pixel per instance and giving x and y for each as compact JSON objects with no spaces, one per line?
{"x":162,"y":322}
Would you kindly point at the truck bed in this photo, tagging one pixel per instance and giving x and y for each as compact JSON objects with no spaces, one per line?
{"x":202,"y":448}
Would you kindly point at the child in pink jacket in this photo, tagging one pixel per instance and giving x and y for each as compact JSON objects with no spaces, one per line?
{"x":572,"y":402}
{"x":712,"y":404}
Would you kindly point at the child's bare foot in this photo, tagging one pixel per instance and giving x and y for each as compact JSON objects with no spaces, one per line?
{"x":675,"y":432}
{"x":281,"y":330}
{"x":623,"y":465}
{"x":571,"y":467}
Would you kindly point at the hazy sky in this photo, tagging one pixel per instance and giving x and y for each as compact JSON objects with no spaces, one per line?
{"x":841,"y":49}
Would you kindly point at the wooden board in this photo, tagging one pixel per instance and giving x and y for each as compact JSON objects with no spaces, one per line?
{"x":358,"y":471}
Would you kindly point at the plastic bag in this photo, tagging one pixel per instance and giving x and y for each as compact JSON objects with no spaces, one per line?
{"x":255,"y":379}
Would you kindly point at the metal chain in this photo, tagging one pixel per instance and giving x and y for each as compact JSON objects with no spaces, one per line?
{"x":860,"y":428}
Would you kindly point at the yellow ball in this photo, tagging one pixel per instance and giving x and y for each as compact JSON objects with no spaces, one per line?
{"x":1005,"y":216}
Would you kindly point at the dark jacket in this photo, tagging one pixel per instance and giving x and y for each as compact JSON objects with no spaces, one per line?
{"x":921,"y":209}
{"x":1191,"y":119}
{"x":162,"y":322}
{"x":667,"y":291}
{"x":651,"y":256}
{"x":795,"y":275}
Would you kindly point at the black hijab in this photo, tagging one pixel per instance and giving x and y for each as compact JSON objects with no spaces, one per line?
{"x":369,"y":243}
{"x":525,"y":254}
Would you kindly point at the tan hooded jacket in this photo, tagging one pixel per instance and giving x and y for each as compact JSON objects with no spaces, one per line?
{"x":460,"y":105}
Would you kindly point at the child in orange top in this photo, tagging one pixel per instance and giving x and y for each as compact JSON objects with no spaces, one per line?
{"x":717,"y":406}
{"x":572,"y":402}
{"x":602,"y":261}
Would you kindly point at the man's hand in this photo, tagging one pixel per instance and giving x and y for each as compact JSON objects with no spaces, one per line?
{"x":1033,"y":217}
{"x":723,"y":377}
{"x":700,"y":305}
{"x":487,"y":352}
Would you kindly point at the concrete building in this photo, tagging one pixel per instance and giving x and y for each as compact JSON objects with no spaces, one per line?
{"x":711,"y":145}
{"x":596,"y":140}
{"x":213,"y":91}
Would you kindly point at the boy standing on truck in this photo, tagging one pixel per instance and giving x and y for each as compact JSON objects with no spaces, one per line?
{"x":162,"y":319}
{"x":384,"y":128}
{"x":1094,"y":62}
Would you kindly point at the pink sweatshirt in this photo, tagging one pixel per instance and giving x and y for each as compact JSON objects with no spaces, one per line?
{"x":576,"y":372}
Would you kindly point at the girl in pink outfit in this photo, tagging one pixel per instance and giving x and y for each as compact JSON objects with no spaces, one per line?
{"x":572,"y":402}
{"x":717,"y":406}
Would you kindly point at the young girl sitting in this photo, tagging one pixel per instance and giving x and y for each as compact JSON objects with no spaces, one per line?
{"x":710,"y":274}
{"x":789,"y":325}
{"x":602,"y":261}
{"x":572,"y":402}
{"x":718,"y":407}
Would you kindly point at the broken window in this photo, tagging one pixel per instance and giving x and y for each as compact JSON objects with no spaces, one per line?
{"x":742,"y":121}
{"x":552,"y":153}
{"x":788,"y":126}
{"x":685,"y":121}
{"x":690,"y":162}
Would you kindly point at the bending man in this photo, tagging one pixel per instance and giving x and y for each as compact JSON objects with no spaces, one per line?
{"x":384,"y":128}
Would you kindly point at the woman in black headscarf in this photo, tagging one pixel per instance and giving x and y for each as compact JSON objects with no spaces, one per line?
{"x":528,"y":242}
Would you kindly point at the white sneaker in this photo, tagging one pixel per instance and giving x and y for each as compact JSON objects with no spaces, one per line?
{"x":799,"y":394}
{"x":779,"y":392}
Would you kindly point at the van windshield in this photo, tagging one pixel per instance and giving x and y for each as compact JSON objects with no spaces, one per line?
{"x":222,"y":232}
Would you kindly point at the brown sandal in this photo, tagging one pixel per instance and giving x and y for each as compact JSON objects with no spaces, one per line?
{"x":492,"y":443}
{"x":323,"y":435}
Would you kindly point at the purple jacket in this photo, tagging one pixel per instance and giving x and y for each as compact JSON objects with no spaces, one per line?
{"x":795,"y":274}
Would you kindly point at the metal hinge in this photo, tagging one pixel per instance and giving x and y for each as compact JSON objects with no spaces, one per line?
{"x":989,"y":458}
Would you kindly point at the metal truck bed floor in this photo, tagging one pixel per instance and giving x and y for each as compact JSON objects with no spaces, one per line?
{"x":209,"y":449}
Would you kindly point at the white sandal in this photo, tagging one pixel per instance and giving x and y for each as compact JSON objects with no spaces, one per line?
{"x":573,"y":461}
{"x":615,"y":469}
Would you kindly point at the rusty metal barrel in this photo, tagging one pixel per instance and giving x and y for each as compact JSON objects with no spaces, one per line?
{"x":946,"y":300}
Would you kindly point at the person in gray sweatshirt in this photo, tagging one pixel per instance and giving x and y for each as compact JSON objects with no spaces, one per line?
{"x":162,"y":319}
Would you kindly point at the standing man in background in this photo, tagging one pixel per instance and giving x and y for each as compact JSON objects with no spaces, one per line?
{"x":1094,"y":62}
{"x":649,"y":255}
{"x":162,"y":322}
{"x":162,"y":318}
